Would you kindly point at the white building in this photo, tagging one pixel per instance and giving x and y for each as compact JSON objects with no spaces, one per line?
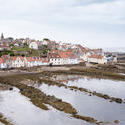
{"x":33,"y":45}
{"x":17,"y":62}
{"x":97,"y":59}
{"x":46,"y":42}
{"x":45,"y":61}
{"x":3,"y":64}
{"x":55,"y":59}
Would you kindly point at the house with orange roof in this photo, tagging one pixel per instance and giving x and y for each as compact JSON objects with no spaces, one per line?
{"x":3,"y":63}
{"x":74,"y":59}
{"x":55,"y":59}
{"x":45,"y":61}
{"x":7,"y":60}
{"x":33,"y":61}
{"x":68,"y":57}
{"x":63,"y":58}
{"x":36,"y":61}
{"x":29,"y":62}
{"x":99,"y":59}
{"x":17,"y":61}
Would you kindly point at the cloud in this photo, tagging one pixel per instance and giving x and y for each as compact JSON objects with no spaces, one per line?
{"x":111,"y":13}
{"x":89,"y":2}
{"x":105,"y":11}
{"x":68,"y":20}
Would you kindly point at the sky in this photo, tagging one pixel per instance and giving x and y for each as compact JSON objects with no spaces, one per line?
{"x":92,"y":23}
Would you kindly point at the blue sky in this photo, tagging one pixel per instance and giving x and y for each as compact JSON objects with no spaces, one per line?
{"x":93,"y":23}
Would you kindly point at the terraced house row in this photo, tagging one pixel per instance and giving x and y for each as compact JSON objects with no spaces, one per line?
{"x":55,"y":58}
{"x":19,"y":61}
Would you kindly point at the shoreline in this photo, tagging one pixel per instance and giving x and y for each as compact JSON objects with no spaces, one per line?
{"x":40,"y":99}
{"x":93,"y":72}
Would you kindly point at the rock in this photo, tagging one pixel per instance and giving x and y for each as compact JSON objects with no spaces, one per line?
{"x":118,"y":100}
{"x":116,"y":121}
{"x":11,"y":89}
{"x":21,"y":89}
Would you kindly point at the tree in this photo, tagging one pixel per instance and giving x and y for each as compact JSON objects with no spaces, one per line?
{"x":25,"y":44}
{"x":12,"y":54}
{"x":46,"y":39}
{"x":44,"y":51}
{"x":44,"y":47}
{"x":0,"y":54}
{"x":22,"y":55}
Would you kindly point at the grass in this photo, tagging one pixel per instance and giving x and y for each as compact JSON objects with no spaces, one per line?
{"x":21,"y":48}
{"x":32,"y":52}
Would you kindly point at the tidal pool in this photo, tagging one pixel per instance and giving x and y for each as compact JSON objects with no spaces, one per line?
{"x":20,"y":111}
{"x":111,"y":87}
{"x":86,"y":105}
{"x":1,"y":123}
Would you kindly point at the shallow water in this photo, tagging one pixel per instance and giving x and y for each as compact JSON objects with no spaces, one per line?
{"x":20,"y":111}
{"x":110,"y":87}
{"x":91,"y":106}
{"x":1,"y":123}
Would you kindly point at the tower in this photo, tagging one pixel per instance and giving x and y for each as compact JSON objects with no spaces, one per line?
{"x":2,"y":37}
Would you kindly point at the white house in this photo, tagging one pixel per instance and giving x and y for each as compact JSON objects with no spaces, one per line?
{"x":55,"y":59}
{"x":16,"y":44}
{"x":97,"y":59}
{"x":17,"y":61}
{"x":3,"y":64}
{"x":73,"y":60}
{"x":29,"y":62}
{"x":33,"y":45}
{"x":65,"y":57}
{"x":45,"y":61}
{"x":46,"y":42}
{"x":115,"y":60}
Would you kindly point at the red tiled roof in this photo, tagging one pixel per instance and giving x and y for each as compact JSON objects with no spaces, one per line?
{"x":65,"y":54}
{"x":54,"y":55}
{"x":13,"y":58}
{"x":22,"y":58}
{"x":96,"y":56}
{"x":45,"y":60}
{"x":2,"y":60}
{"x":29,"y":59}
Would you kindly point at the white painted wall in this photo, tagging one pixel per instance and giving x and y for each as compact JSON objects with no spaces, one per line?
{"x":33,"y":45}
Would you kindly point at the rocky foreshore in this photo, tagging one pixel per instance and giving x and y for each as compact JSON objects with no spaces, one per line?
{"x":4,"y":120}
{"x":24,"y":82}
{"x":39,"y":98}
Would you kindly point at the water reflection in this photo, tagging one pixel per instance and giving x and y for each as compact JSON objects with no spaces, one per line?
{"x":66,"y":78}
{"x":88,"y":105}
{"x":110,"y":87}
{"x":21,"y":111}
{"x":1,"y":123}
